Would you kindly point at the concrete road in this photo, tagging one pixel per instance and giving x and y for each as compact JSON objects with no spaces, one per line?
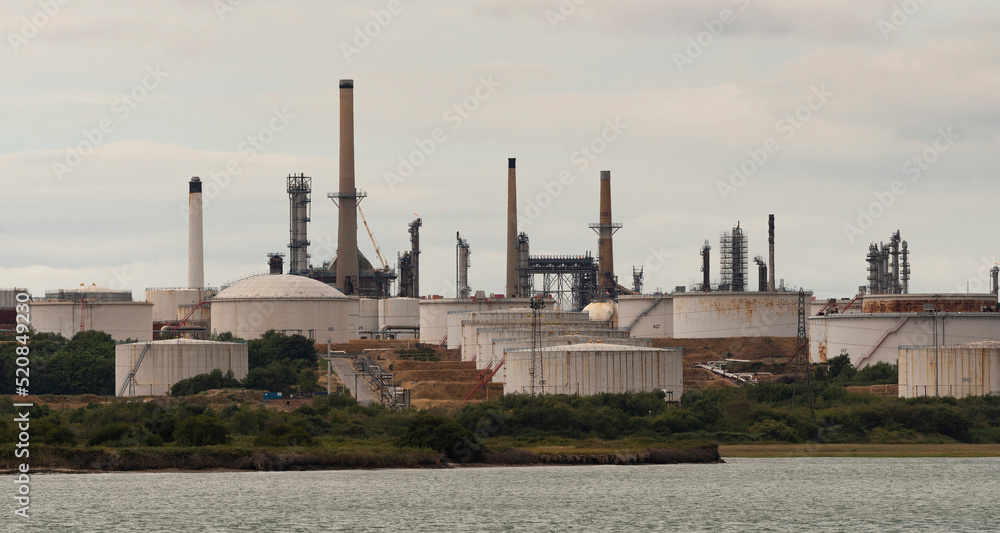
{"x":345,"y":370}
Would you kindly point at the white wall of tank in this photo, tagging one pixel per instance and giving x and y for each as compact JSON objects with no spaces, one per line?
{"x":647,"y":315}
{"x":434,"y":313}
{"x":971,"y":369}
{"x":121,"y":320}
{"x":286,"y":303}
{"x":588,"y":369}
{"x":735,"y":314}
{"x":872,"y":338}
{"x":169,"y":361}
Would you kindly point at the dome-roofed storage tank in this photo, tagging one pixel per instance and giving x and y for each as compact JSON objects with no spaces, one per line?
{"x":284,"y":303}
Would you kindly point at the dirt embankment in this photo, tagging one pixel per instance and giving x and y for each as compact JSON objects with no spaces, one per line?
{"x":771,"y":352}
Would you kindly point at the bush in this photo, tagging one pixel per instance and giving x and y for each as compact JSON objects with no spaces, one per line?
{"x":124,"y":434}
{"x":775,"y":430}
{"x":442,"y":435}
{"x":201,"y":430}
{"x":284,"y":435}
{"x":203,"y":382}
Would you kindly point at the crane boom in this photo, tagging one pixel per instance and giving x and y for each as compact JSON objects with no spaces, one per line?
{"x":378,"y":252}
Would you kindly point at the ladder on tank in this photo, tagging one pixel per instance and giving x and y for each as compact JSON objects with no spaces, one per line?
{"x":130,"y":378}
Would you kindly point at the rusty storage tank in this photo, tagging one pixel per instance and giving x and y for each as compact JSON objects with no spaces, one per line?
{"x":735,"y":314}
{"x":960,"y":370}
{"x":914,"y":303}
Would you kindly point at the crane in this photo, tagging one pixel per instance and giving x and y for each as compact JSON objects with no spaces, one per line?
{"x":385,"y":265}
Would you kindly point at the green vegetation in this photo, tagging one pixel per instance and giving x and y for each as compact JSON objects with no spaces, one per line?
{"x":514,"y":429}
{"x":203,"y":382}
{"x":840,"y":371}
{"x":85,"y":364}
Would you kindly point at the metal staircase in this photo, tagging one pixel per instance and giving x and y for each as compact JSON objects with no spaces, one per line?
{"x":130,"y":378}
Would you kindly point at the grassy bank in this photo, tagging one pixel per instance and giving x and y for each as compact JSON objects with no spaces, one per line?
{"x":339,"y":456}
{"x":860,"y":450}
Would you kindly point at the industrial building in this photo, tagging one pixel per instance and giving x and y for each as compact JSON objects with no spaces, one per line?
{"x":89,"y":307}
{"x":284,"y":303}
{"x":588,"y":369}
{"x":958,"y":370}
{"x":151,"y":368}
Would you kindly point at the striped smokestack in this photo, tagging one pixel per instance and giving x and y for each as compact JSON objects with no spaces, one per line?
{"x":196,"y":243}
{"x":347,"y":234}
{"x":512,"y":249}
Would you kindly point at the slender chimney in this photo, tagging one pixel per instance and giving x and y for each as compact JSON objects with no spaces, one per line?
{"x":196,"y":243}
{"x":347,"y":234}
{"x":605,"y":248}
{"x":770,"y":256}
{"x":512,"y":249}
{"x":706,"y":267}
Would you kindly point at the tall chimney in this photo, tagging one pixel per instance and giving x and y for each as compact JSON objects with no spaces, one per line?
{"x":770,"y":256}
{"x":605,"y":248}
{"x":196,"y":243}
{"x":347,"y":234}
{"x":512,"y":250}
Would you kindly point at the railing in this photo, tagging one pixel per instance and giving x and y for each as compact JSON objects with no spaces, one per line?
{"x":130,"y":378}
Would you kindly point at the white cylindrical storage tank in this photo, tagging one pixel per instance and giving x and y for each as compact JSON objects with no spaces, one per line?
{"x":401,"y":312}
{"x":958,"y":371}
{"x":285,"y":303}
{"x":647,"y":316}
{"x":167,"y":301}
{"x":588,"y":369}
{"x":364,"y":318}
{"x":122,"y":320}
{"x":164,"y":363}
{"x":735,"y":314}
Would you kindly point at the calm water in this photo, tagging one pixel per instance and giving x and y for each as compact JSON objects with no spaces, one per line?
{"x":745,"y":494}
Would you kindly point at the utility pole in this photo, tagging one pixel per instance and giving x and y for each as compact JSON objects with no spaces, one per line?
{"x":802,"y":353}
{"x":536,"y":372}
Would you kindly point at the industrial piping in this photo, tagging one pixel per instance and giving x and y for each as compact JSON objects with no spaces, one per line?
{"x":512,"y":249}
{"x":196,"y":244}
{"x":347,"y":235}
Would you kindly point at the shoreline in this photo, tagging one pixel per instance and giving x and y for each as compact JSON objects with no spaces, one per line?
{"x":150,"y":460}
{"x":812,"y":449}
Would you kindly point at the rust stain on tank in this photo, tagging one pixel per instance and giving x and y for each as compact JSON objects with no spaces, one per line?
{"x":822,"y":352}
{"x":916,"y":305}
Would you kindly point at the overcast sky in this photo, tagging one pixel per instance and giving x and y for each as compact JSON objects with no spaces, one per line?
{"x":823,"y":105}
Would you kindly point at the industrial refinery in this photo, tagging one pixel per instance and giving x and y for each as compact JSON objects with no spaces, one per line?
{"x":563,"y":323}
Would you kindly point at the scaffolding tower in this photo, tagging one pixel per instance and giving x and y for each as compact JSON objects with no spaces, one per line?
{"x":462,"y":253}
{"x":733,"y":260}
{"x":299,"y":197}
